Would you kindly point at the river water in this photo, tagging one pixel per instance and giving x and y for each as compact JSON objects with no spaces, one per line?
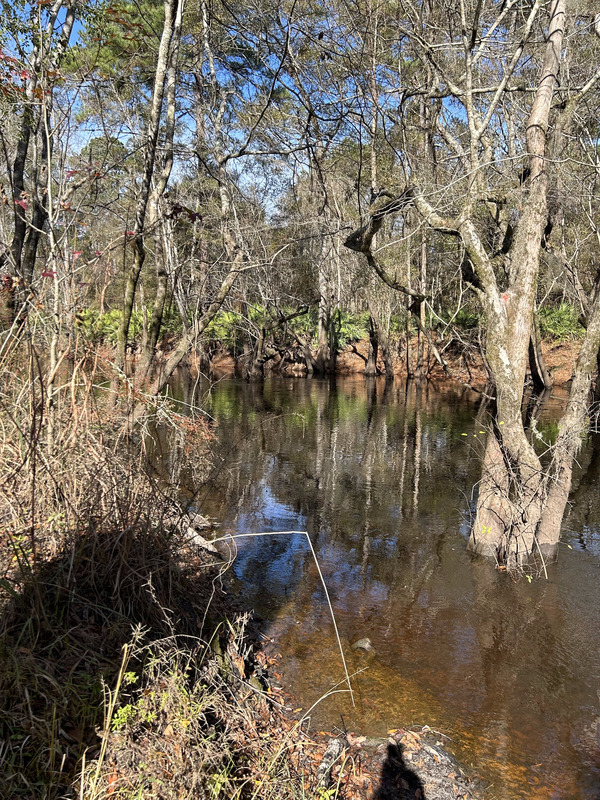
{"x":381,"y":478}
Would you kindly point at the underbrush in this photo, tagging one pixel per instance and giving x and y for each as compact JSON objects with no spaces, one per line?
{"x":559,"y":323}
{"x":96,"y":327}
{"x":125,"y":669}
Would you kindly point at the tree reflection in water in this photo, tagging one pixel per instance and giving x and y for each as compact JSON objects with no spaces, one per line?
{"x":380,"y":476}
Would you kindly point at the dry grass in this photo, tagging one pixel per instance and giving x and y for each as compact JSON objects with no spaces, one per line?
{"x":119,"y":673}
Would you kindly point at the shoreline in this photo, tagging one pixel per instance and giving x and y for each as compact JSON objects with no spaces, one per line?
{"x":126,"y":663}
{"x":560,"y":357}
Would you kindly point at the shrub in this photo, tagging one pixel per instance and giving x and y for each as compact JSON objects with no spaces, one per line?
{"x":104,"y":327}
{"x":352,"y":327}
{"x":560,"y":322}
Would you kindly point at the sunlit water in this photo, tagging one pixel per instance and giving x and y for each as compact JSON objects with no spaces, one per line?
{"x":381,"y":478}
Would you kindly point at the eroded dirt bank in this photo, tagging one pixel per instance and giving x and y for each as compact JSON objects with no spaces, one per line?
{"x":465,"y":366}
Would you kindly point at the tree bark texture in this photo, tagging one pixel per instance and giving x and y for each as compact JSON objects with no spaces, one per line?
{"x":519,"y":501}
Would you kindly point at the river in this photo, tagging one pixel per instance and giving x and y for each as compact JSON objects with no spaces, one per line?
{"x":381,"y":477}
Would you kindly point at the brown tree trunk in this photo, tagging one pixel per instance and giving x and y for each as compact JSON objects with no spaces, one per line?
{"x":386,"y":353}
{"x":254,"y":369}
{"x":322,"y":355}
{"x":370,"y":370}
{"x":537,"y":366}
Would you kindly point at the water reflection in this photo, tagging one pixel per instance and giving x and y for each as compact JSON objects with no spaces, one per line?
{"x":380,"y":476}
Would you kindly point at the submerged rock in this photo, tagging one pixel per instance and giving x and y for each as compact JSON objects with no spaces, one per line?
{"x":364,"y":644}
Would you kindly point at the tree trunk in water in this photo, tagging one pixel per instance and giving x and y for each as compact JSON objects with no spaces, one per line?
{"x":370,"y":369}
{"x":421,"y":369}
{"x":509,"y":507}
{"x":408,"y":354}
{"x":386,"y":354}
{"x":322,"y":356}
{"x":254,"y":370}
{"x":382,"y":332}
{"x":519,"y":499}
{"x":537,"y":366}
{"x":203,"y":357}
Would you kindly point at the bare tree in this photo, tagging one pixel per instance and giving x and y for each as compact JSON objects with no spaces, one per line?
{"x":521,"y":501}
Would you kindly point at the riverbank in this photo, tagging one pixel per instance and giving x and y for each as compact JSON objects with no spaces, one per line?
{"x":129,"y":671}
{"x":465,"y":365}
{"x":126,"y":663}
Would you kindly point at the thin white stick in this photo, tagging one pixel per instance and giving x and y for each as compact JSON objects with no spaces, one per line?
{"x":312,"y":550}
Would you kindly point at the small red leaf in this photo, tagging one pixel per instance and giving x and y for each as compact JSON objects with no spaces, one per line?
{"x":112,"y":780}
{"x":48,"y":274}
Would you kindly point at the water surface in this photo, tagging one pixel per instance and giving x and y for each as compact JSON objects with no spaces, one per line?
{"x":381,"y":477}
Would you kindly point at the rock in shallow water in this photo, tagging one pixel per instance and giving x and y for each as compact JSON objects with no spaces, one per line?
{"x":364,"y":644}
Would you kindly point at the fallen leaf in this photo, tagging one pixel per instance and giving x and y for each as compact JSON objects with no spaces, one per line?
{"x":111,"y":782}
{"x":355,"y":741}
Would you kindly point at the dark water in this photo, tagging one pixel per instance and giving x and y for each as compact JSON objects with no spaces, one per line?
{"x":381,"y":479}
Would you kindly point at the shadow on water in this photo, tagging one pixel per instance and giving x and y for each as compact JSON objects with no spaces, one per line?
{"x":398,"y":782}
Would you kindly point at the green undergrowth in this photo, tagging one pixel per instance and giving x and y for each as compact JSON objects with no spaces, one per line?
{"x":96,"y":327}
{"x":228,"y":330}
{"x":560,"y":323}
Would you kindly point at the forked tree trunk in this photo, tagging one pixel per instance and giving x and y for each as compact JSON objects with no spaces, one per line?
{"x":521,"y":502}
{"x":171,"y":30}
{"x":161,"y":241}
{"x":517,"y":518}
{"x":513,"y":507}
